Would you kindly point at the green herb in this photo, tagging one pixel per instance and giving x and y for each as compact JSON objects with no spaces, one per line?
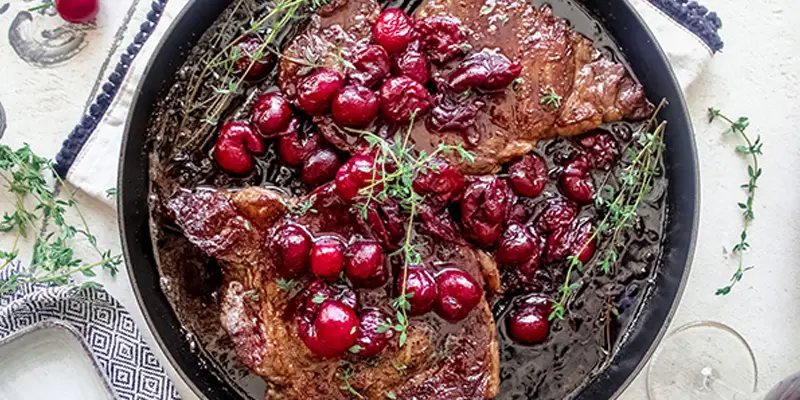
{"x":252,"y":295}
{"x":345,"y":373}
{"x":619,"y":205}
{"x":318,"y":299}
{"x":53,"y":255}
{"x":286,"y":285}
{"x":41,"y":6}
{"x":551,"y":98}
{"x":302,"y":208}
{"x":488,"y":7}
{"x":111,"y":192}
{"x":247,"y":225}
{"x":752,"y":149}
{"x":355,"y":349}
{"x":401,"y":369}
{"x":391,"y":395}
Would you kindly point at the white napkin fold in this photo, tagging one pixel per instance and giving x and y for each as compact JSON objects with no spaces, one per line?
{"x":686,"y":32}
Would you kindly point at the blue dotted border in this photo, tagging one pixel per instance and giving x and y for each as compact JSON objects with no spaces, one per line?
{"x":695,"y":18}
{"x":80,"y":134}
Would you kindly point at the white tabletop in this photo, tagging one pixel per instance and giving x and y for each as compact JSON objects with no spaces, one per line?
{"x":757,"y":76}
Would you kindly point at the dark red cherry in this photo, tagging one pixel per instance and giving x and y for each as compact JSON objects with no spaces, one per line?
{"x":371,"y":67}
{"x":293,"y":149}
{"x":355,"y":107}
{"x":517,"y":245}
{"x":364,"y":264}
{"x":400,"y":97}
{"x":320,"y":290}
{"x":385,"y":222}
{"x":442,"y":184}
{"x":528,"y":322}
{"x":443,"y":38}
{"x":577,"y":188}
{"x":486,"y":70}
{"x":327,"y":257}
{"x":484,"y":207}
{"x":370,"y":341}
{"x":271,"y":114}
{"x":421,"y":285}
{"x":413,"y":64}
{"x":77,"y":11}
{"x":250,"y":52}
{"x":332,"y":331}
{"x":393,"y":30}
{"x":557,"y":212}
{"x":458,"y":294}
{"x":320,"y":167}
{"x":354,"y":175}
{"x":573,"y":239}
{"x":600,"y":147}
{"x":316,"y":92}
{"x":528,"y":175}
{"x":236,"y":144}
{"x":291,"y":247}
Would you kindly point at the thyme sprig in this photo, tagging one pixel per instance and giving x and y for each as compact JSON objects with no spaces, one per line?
{"x":752,"y":149}
{"x":551,"y":98}
{"x":620,"y":206}
{"x":345,"y":373}
{"x":54,"y":260}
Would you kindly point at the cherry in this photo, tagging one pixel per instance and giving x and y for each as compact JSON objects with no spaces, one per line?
{"x":517,"y":245}
{"x":452,"y":112}
{"x":355,"y":107}
{"x":484,"y":207}
{"x":320,"y":167}
{"x":293,"y":149}
{"x":393,"y":30}
{"x":422,"y":287}
{"x":571,"y":239}
{"x":576,"y":181}
{"x":248,"y":48}
{"x":332,"y":331}
{"x":443,"y":38}
{"x":271,"y":114}
{"x":291,"y":247}
{"x":600,"y":147}
{"x":316,"y":91}
{"x":364,"y":264}
{"x":77,"y":11}
{"x":528,"y":175}
{"x":458,"y":294}
{"x":413,"y":64}
{"x":442,"y":184}
{"x":529,"y":321}
{"x":320,"y":290}
{"x":402,"y":96}
{"x":355,"y":174}
{"x":370,"y":341}
{"x":327,"y":258}
{"x":371,"y":67}
{"x":558,"y":212}
{"x":236,"y":144}
{"x":486,"y":70}
{"x":386,"y":222}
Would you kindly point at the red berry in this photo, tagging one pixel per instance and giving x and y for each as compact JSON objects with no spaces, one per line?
{"x":517,"y":245}
{"x":371,"y":67}
{"x":370,"y":340}
{"x":442,"y":184}
{"x":576,"y":188}
{"x":291,"y":247}
{"x":393,"y":30}
{"x":458,"y":294}
{"x":294,"y":149}
{"x":401,"y":97}
{"x":271,"y":114}
{"x":236,"y":144}
{"x":557,"y":213}
{"x":573,"y":239}
{"x":320,"y":290}
{"x":315,"y":92}
{"x":484,"y":207}
{"x":600,"y":147}
{"x":528,"y":175}
{"x":320,"y":167}
{"x":332,"y":331}
{"x":77,"y":11}
{"x":486,"y":70}
{"x":327,"y":258}
{"x":364,"y":264}
{"x":413,"y":64}
{"x":355,"y":174}
{"x":355,"y":107}
{"x":249,"y":48}
{"x":443,"y":38}
{"x":529,"y":321}
{"x":421,"y":285}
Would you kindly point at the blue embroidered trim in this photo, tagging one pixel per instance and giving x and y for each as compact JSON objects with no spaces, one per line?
{"x":695,"y":18}
{"x":78,"y":137}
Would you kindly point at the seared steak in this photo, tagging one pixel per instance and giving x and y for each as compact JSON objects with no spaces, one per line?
{"x":440,"y":360}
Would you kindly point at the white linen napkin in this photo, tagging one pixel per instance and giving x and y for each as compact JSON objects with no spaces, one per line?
{"x":686,"y":31}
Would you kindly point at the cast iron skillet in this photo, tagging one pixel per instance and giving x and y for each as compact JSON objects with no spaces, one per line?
{"x":648,"y":63}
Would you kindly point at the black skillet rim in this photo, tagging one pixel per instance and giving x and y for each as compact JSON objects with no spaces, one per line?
{"x":644,"y":333}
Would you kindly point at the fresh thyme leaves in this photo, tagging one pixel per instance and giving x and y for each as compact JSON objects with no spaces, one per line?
{"x":551,"y":98}
{"x":391,"y":395}
{"x":620,"y":207}
{"x":345,"y":373}
{"x":318,"y":299}
{"x":111,"y":192}
{"x":752,"y":149}
{"x":286,"y":285}
{"x":355,"y":349}
{"x":303,"y":208}
{"x":401,"y":368}
{"x":53,"y":260}
{"x":488,"y":8}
